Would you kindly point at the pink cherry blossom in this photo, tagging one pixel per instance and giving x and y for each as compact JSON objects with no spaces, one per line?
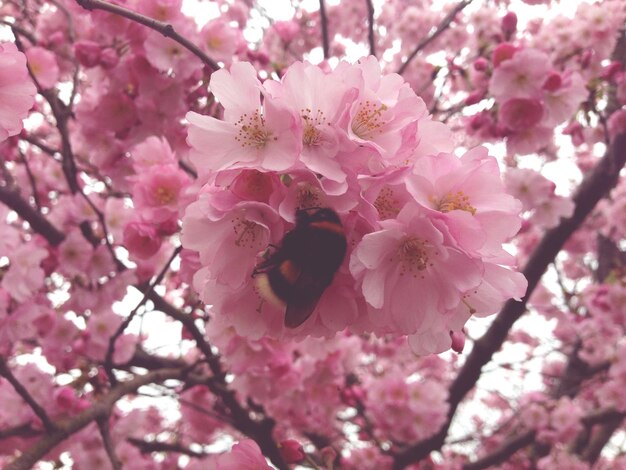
{"x":404,"y":264}
{"x":521,"y":76}
{"x":43,"y":65}
{"x":245,"y":455}
{"x":249,"y":136}
{"x":17,"y":91}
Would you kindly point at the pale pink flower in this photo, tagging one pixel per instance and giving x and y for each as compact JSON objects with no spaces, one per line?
{"x":17,"y":91}
{"x":562,"y":103}
{"x":409,"y":271}
{"x":150,"y":152}
{"x":168,"y":11}
{"x":529,"y":140}
{"x":220,"y":40}
{"x":250,"y":135}
{"x":521,"y":76}
{"x":384,"y":115}
{"x":467,"y":193}
{"x":25,"y":276}
{"x":320,"y":99}
{"x":549,"y":213}
{"x":43,"y":65}
{"x":245,"y":455}
{"x":169,"y":56}
{"x":74,"y":254}
{"x":159,"y":192}
{"x":141,"y":239}
{"x":229,"y":242}
{"x":520,"y":113}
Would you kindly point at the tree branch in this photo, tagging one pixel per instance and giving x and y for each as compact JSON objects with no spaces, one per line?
{"x":165,"y":29}
{"x":324,"y":24}
{"x":26,"y":396}
{"x":12,"y":199}
{"x":100,"y":409}
{"x":501,"y":454}
{"x":445,"y":24}
{"x":595,"y":186}
{"x":105,"y":434}
{"x":147,"y":447}
{"x":370,"y":27}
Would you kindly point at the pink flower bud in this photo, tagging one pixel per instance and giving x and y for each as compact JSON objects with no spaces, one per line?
{"x":168,"y":227}
{"x":109,"y":58}
{"x":65,"y":398}
{"x":553,"y":82}
{"x":474,"y":97}
{"x":87,"y":53}
{"x":291,"y":450}
{"x":509,"y":24}
{"x":481,"y":64}
{"x":55,"y":39}
{"x":611,"y":71}
{"x":586,"y":58}
{"x":458,"y":341}
{"x":502,"y":52}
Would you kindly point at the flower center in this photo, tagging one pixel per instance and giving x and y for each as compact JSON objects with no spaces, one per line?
{"x":368,"y":120}
{"x":165,"y":195}
{"x":252,"y":131}
{"x":308,"y":196}
{"x":455,"y":201}
{"x":413,"y":256}
{"x":246,"y":233}
{"x":311,"y":135}
{"x":387,"y":206}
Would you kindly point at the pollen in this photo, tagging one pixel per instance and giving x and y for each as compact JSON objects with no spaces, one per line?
{"x":165,"y":195}
{"x":311,"y":134}
{"x":387,"y":206}
{"x":454,"y":201}
{"x":308,"y":196}
{"x":413,"y":255}
{"x":252,"y":131}
{"x":247,"y":233}
{"x":368,"y":120}
{"x":214,"y":42}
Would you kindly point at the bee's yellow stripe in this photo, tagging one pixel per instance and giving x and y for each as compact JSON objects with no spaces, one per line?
{"x":327,"y":225}
{"x":290,"y":271}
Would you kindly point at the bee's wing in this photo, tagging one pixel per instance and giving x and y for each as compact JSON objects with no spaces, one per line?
{"x":307,"y":291}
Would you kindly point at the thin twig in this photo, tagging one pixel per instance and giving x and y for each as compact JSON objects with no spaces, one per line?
{"x":105,"y":434}
{"x":165,"y":29}
{"x":100,"y":409}
{"x":31,"y":179}
{"x":108,"y":360}
{"x":147,"y":447}
{"x":594,"y":187}
{"x":324,"y":24}
{"x":12,"y":199}
{"x":370,"y":27}
{"x":445,"y":24}
{"x":31,"y":139}
{"x":26,"y":396}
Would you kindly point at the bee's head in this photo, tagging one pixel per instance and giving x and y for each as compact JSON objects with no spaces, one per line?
{"x":317,"y":214}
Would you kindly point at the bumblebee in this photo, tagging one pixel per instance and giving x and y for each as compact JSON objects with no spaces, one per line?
{"x":303,"y":266}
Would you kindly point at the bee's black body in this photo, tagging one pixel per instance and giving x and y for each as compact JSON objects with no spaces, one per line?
{"x":304,"y":265}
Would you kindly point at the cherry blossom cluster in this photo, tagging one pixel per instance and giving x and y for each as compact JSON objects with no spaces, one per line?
{"x":425,"y":228}
{"x":531,"y":97}
{"x":18,"y":91}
